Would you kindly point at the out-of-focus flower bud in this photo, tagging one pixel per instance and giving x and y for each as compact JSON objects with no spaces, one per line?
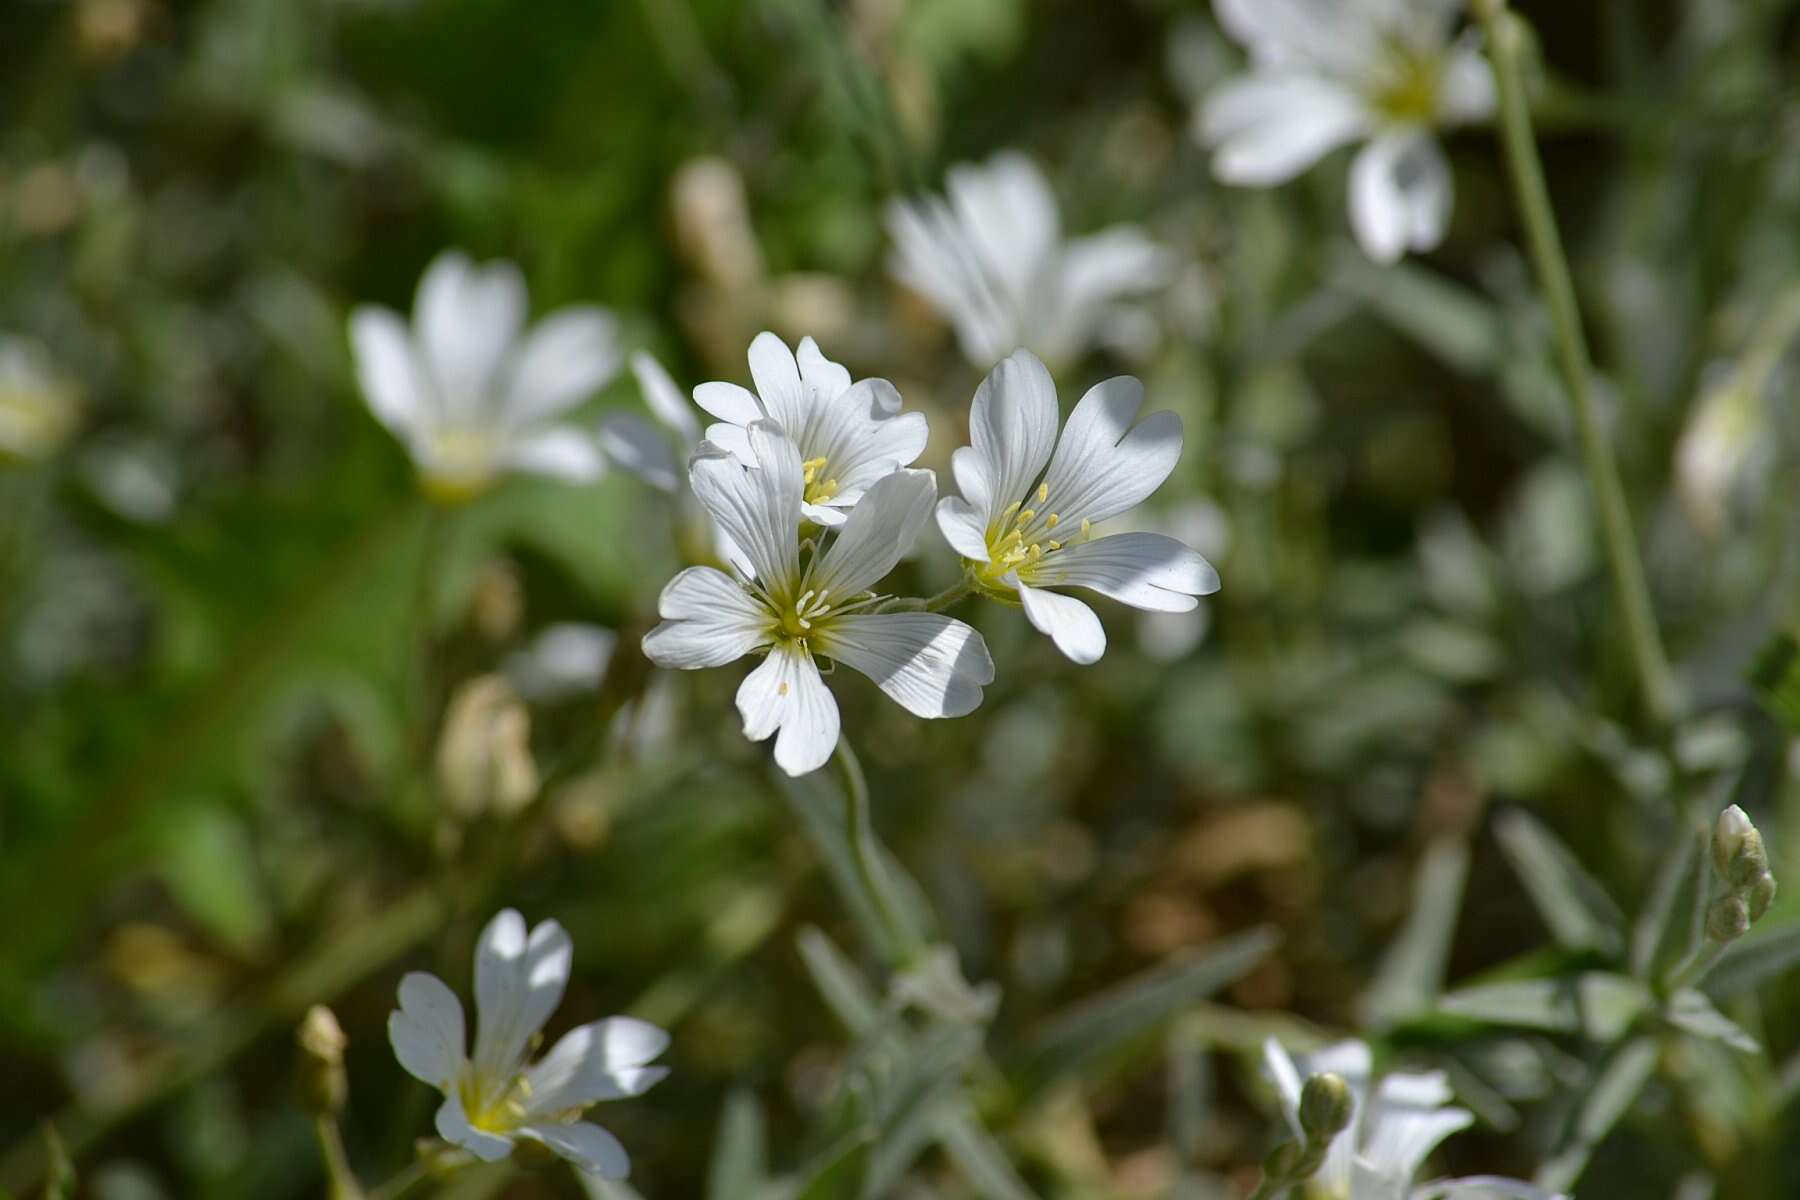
{"x":484,"y":761}
{"x":38,"y":408}
{"x":1729,"y":834}
{"x":498,"y":601}
{"x":1760,"y":895}
{"x":1714,"y":450}
{"x":1728,"y":919}
{"x":1741,"y":860}
{"x":322,"y":1044}
{"x":1326,"y":1107}
{"x":712,"y":224}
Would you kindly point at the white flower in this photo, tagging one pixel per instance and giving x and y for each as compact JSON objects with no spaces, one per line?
{"x":992,"y":258}
{"x":849,"y":434}
{"x":1396,"y":1126}
{"x":932,"y":665}
{"x":655,"y":455}
{"x":564,"y":660}
{"x":1020,"y":536}
{"x":495,"y":1099}
{"x":640,"y":446}
{"x":38,"y":409}
{"x":1325,"y":73}
{"x":468,"y":392}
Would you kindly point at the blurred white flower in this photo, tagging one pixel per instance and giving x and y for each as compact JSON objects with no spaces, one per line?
{"x":1325,"y":73}
{"x":38,"y":407}
{"x":653,"y":451}
{"x":469,"y":392}
{"x":496,"y":1099}
{"x":932,"y":665}
{"x":1020,"y":536}
{"x":1398,"y":1122}
{"x":849,"y":434}
{"x":991,"y":256}
{"x":564,"y":660}
{"x":1717,"y":451}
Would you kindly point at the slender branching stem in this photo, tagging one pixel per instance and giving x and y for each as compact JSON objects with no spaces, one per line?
{"x":866,"y":852}
{"x":1505,"y":45}
{"x":341,"y":1182}
{"x":1694,"y":969}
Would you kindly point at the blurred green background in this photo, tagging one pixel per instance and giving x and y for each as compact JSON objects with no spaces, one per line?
{"x":216,"y":805}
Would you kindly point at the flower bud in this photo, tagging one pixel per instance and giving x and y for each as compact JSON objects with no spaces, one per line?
{"x":484,"y":761}
{"x":1326,"y":1107}
{"x":1760,"y":895}
{"x":1727,"y":919}
{"x":1738,"y":853}
{"x":322,"y":1043}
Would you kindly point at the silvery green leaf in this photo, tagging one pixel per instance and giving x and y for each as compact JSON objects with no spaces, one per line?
{"x":1461,"y":327}
{"x":740,"y":1160}
{"x":1598,"y":1004}
{"x":1761,"y":954}
{"x":840,"y":984}
{"x":1580,"y":914}
{"x":819,"y":803}
{"x":1549,"y":537}
{"x":1674,"y":876}
{"x":1611,"y":1097}
{"x":978,"y":1156}
{"x":1099,"y":1027}
{"x":1691,"y":1011}
{"x":1412,"y":971}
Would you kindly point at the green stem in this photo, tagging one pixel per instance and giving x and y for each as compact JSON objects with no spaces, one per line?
{"x":938,"y":603}
{"x":401,"y":1183}
{"x":1505,"y":42}
{"x":1269,"y":1189}
{"x":865,"y":851}
{"x":341,"y":1181}
{"x":1697,"y":965}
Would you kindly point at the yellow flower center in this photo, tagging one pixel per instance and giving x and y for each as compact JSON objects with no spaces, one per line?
{"x":1408,"y":90}
{"x":820,"y":486}
{"x":798,"y":619}
{"x":458,"y":465}
{"x":491,"y":1110}
{"x":1018,"y":541}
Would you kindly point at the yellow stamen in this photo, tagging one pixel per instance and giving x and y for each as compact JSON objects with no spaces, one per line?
{"x":1043,"y":492}
{"x":1051,"y":520}
{"x":1026,"y":515}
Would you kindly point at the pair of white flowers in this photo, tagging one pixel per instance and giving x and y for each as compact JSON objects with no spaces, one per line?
{"x":1396,"y":1124}
{"x":496,"y":1097}
{"x":809,"y":443}
{"x":1328,"y":73}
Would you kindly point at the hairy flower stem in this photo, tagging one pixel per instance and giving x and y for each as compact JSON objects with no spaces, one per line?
{"x":866,"y":852}
{"x":341,"y":1182}
{"x":1695,"y":968}
{"x":1505,"y":43}
{"x":401,"y":1183}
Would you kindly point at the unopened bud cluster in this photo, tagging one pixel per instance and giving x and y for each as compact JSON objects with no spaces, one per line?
{"x":1742,"y":865}
{"x":1326,"y":1109}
